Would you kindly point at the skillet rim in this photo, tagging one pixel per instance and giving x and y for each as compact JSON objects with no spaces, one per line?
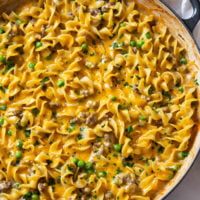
{"x":198,"y":152}
{"x":183,"y":23}
{"x":198,"y":48}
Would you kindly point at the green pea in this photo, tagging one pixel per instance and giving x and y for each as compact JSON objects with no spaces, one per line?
{"x":48,"y":57}
{"x":140,"y":43}
{"x":142,"y":118}
{"x":81,"y":164}
{"x":115,"y":45}
{"x":75,"y":161}
{"x":84,"y":46}
{"x":133,"y":43}
{"x":61,"y":83}
{"x":35,"y":111}
{"x":1,"y":31}
{"x":9,"y":132}
{"x":1,"y":121}
{"x":122,"y":25}
{"x":170,"y":176}
{"x":117,"y":147}
{"x":31,"y":65}
{"x":18,"y":21}
{"x":183,"y":61}
{"x":102,"y":174}
{"x":196,"y":82}
{"x":90,"y":171}
{"x":2,"y":59}
{"x":129,"y":129}
{"x":18,"y":155}
{"x":174,"y":168}
{"x":27,"y":195}
{"x":35,"y":197}
{"x":148,"y":35}
{"x":114,"y":98}
{"x":88,"y":165}
{"x":16,"y":185}
{"x":38,"y":44}
{"x":20,"y":145}
{"x":182,"y":155}
{"x":180,"y":89}
{"x":4,"y":107}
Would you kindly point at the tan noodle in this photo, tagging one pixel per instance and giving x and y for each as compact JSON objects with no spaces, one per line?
{"x":97,"y":102}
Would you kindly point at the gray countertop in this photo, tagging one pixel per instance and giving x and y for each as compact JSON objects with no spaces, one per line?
{"x":189,"y":188}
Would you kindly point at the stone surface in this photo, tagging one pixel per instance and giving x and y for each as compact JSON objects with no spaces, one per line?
{"x":189,"y":188}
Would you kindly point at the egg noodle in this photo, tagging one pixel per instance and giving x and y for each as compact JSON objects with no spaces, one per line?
{"x":97,"y":101}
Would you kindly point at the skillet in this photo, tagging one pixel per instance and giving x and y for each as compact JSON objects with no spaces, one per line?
{"x":182,"y":31}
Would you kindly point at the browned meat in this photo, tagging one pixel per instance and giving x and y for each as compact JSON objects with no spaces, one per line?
{"x":136,"y":89}
{"x":128,"y":178}
{"x":80,"y":118}
{"x":34,"y":191}
{"x":109,"y":139}
{"x":75,"y":120}
{"x":27,"y":162}
{"x":92,"y":119}
{"x":94,"y":12}
{"x":87,"y":190}
{"x":42,"y":187}
{"x":166,"y":109}
{"x":106,"y":7}
{"x":54,"y":105}
{"x":21,"y":198}
{"x":18,"y":112}
{"x":43,"y":30}
{"x":142,"y":124}
{"x":84,"y":197}
{"x":104,"y":147}
{"x":5,"y":186}
{"x":127,"y":181}
{"x":107,"y":116}
{"x":70,"y":15}
{"x":31,"y":172}
{"x":100,"y":151}
{"x":134,"y":49}
{"x":83,"y":115}
{"x":92,"y":104}
{"x":153,"y":23}
{"x":115,"y":80}
{"x":32,"y":21}
{"x":171,"y":59}
{"x":84,"y":193}
{"x":97,"y":145}
{"x":123,"y":179}
{"x":12,"y":33}
{"x":158,"y":122}
{"x":108,"y":195}
{"x":85,"y":93}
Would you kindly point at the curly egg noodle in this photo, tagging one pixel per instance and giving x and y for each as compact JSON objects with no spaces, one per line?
{"x":97,"y":101}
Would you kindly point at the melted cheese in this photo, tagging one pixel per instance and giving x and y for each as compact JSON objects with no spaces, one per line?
{"x":94,"y":102}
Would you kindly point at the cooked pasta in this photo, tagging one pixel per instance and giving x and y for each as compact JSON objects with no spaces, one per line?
{"x":97,"y":101}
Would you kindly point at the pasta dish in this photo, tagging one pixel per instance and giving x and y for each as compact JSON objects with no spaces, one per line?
{"x":97,"y":101}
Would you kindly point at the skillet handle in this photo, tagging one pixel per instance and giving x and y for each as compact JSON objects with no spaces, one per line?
{"x":192,"y":21}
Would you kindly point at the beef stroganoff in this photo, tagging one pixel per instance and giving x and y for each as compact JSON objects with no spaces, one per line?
{"x":97,"y":101}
